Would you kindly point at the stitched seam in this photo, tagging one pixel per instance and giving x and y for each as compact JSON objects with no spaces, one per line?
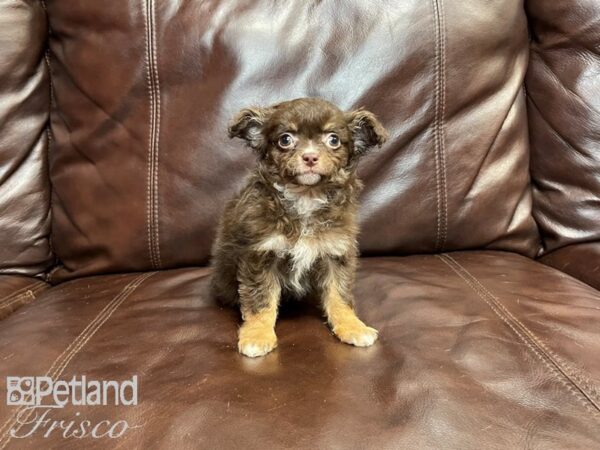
{"x":14,"y":299}
{"x":150,"y":161}
{"x":572,"y":372}
{"x":558,"y":372}
{"x":545,"y":360}
{"x":29,"y":293}
{"x":20,"y":297}
{"x":558,"y":361}
{"x":20,"y":292}
{"x":442,"y":134}
{"x":16,"y":293}
{"x":154,"y":134}
{"x":157,"y":137}
{"x":16,"y":303}
{"x":439,"y":139}
{"x":435,"y":123}
{"x":61,"y":362}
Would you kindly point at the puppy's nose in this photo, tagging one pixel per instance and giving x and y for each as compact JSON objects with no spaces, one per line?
{"x":310,"y":159}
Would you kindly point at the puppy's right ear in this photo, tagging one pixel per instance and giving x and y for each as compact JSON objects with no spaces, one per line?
{"x":248,"y":124}
{"x":367,"y":131}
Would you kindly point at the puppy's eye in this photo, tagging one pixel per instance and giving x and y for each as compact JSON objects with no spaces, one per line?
{"x":333,"y":140}
{"x":285,"y":141}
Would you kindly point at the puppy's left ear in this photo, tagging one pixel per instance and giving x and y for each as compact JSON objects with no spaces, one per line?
{"x":367,"y":131}
{"x":248,"y":124}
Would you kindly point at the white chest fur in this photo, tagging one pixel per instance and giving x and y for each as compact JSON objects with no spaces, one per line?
{"x":301,"y":199}
{"x":310,"y":245}
{"x":304,"y":251}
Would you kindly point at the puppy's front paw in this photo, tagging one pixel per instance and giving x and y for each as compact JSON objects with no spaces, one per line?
{"x":357,"y":334}
{"x":256,"y":342}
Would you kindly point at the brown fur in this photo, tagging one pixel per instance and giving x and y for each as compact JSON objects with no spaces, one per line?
{"x":292,"y":229}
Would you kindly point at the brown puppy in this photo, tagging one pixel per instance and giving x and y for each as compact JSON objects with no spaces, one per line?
{"x":292,"y":229}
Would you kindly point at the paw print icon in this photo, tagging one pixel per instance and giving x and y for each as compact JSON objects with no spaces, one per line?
{"x":19,"y":391}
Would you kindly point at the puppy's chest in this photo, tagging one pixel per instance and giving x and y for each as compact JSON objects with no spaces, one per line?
{"x":301,"y":253}
{"x":307,"y":246}
{"x":309,"y":230}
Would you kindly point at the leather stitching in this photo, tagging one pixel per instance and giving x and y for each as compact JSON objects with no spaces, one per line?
{"x":153,"y":138}
{"x":442,"y":135}
{"x":584,"y":394}
{"x":7,"y":308}
{"x":577,"y":376}
{"x":438,"y":129}
{"x":29,"y":293}
{"x":63,"y":360}
{"x":20,"y":292}
{"x":435,"y":123}
{"x":157,"y":138}
{"x":150,"y":141}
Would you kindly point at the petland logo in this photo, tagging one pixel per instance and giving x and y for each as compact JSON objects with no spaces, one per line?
{"x":39,"y":396}
{"x":38,"y":391}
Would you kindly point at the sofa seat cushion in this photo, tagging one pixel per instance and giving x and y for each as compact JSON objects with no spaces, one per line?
{"x":476,"y":350}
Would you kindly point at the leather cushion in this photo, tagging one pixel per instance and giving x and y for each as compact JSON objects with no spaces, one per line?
{"x":141,"y":163}
{"x":24,"y":108}
{"x":476,"y":350}
{"x":564,"y":116}
{"x":579,"y":260}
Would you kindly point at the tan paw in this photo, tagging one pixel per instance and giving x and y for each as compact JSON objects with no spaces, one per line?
{"x":254,"y":343}
{"x":358,"y":334}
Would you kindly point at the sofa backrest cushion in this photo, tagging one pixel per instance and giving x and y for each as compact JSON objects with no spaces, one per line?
{"x":563,"y":90}
{"x":24,"y":108}
{"x":141,"y":165}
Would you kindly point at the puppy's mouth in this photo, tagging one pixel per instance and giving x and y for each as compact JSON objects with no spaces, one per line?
{"x":308,"y":178}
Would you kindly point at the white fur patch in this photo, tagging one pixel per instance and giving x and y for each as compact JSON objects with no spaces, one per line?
{"x":302,"y":200}
{"x":275,"y":243}
{"x":309,"y":179}
{"x":304,"y":252}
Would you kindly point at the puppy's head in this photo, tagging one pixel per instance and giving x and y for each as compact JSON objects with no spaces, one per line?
{"x":309,"y":140}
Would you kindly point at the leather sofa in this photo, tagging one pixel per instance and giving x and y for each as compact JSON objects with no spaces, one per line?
{"x":480,"y":222}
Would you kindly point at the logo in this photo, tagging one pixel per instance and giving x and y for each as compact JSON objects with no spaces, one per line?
{"x":38,"y":397}
{"x":44,"y":391}
{"x":20,"y":391}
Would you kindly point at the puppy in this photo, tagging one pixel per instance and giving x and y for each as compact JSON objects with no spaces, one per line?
{"x":292,"y":229}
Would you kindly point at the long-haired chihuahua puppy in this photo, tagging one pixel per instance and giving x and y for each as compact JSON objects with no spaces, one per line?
{"x":292,"y":229}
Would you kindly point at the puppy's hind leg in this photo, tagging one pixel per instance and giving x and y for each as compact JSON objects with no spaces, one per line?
{"x":260,"y":293}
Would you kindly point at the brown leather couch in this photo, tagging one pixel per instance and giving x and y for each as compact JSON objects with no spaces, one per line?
{"x":480,"y":221}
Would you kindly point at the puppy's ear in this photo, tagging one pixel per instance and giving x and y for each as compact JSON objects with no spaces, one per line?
{"x":366,"y":130}
{"x":248,"y":125}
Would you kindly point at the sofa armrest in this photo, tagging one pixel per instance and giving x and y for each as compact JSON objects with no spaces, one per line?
{"x":581,"y":261}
